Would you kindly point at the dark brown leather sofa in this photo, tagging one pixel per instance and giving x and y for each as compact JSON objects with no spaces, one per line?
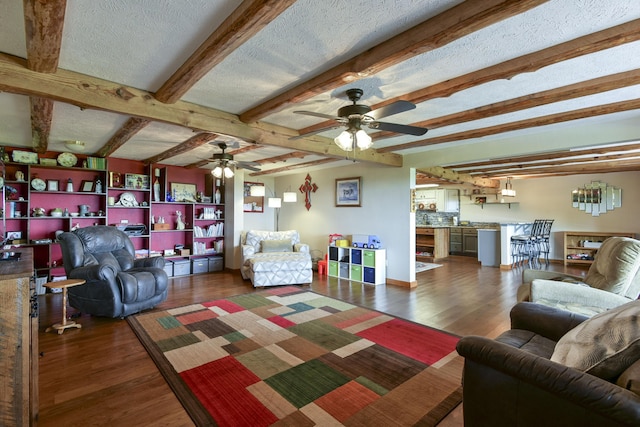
{"x":511,"y":381}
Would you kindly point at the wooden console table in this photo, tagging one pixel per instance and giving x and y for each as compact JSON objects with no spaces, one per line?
{"x":19,"y":332}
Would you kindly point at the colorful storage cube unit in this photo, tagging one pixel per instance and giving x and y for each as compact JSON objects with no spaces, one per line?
{"x":199,"y":265}
{"x":181,"y":267}
{"x":215,"y":263}
{"x":357,"y":264}
{"x":168,"y":267}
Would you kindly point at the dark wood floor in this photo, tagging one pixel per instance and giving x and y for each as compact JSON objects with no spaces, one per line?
{"x":101,"y":375}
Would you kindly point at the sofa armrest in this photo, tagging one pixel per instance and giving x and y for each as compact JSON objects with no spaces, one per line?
{"x":529,"y":275}
{"x":301,"y":247}
{"x":575,"y":293}
{"x":547,"y":321}
{"x":504,"y":385}
{"x":248,"y":251}
{"x":156,"y":261}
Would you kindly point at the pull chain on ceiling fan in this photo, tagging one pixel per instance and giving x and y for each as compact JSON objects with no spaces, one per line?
{"x":355,"y":116}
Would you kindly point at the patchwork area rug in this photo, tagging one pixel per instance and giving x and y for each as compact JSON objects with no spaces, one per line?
{"x":288,"y":356}
{"x":424,"y":266}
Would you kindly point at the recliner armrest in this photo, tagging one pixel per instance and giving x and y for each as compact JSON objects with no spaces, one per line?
{"x":550,"y":322}
{"x":248,"y":251}
{"x":94,"y":272}
{"x":156,"y":261}
{"x":529,"y":275}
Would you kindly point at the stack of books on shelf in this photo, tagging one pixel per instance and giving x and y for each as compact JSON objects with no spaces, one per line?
{"x":208,"y":213}
{"x":200,"y":248}
{"x":213,"y":230}
{"x":96,"y":163}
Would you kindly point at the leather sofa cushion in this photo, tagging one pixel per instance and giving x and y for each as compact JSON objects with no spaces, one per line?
{"x":604,"y":345}
{"x":630,"y":378}
{"x":528,"y":341}
{"x":283,"y":245}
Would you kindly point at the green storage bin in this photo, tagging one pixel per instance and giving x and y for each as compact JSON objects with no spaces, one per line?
{"x":333,"y":268}
{"x":369,"y":258}
{"x":356,"y":272}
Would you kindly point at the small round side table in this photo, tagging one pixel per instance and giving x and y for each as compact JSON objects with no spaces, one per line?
{"x":64,"y":284}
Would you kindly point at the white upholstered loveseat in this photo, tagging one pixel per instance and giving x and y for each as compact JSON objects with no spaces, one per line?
{"x":271,"y":258}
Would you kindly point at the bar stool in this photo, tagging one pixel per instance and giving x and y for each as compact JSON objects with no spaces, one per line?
{"x":525,"y":246}
{"x":64,"y":284}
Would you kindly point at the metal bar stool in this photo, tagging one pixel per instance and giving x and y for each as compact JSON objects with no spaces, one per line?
{"x":525,"y":246}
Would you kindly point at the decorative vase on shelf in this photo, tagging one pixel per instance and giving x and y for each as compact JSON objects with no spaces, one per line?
{"x":217,"y":199}
{"x":156,"y":191}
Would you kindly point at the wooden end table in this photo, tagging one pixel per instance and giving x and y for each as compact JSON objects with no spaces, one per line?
{"x":64,"y":284}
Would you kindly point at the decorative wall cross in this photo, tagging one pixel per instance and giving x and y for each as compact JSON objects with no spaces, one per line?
{"x":307,"y":188}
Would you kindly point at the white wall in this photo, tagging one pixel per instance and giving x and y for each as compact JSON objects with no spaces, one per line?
{"x":386,"y":212}
{"x":550,"y":198}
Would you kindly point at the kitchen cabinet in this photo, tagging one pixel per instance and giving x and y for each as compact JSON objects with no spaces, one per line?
{"x":432,"y":242}
{"x":463,"y":241}
{"x":443,"y":199}
{"x":470,"y":241}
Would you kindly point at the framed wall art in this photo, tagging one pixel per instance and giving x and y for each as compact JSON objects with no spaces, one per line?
{"x":253,"y":203}
{"x":53,"y":185}
{"x":136,"y":181}
{"x":348,"y":192}
{"x":183,"y":192}
{"x":87,"y":186}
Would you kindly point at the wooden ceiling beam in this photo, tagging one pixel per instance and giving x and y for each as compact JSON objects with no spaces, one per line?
{"x":548,"y":156}
{"x":294,"y":167}
{"x":284,"y":157}
{"x":452,"y":176}
{"x":586,"y":168}
{"x":577,"y":90}
{"x":44,"y":21}
{"x":249,"y":18}
{"x":188,"y":145}
{"x":497,"y":168}
{"x":128,"y":130}
{"x":550,"y":119}
{"x":90,"y":92}
{"x":450,"y":25}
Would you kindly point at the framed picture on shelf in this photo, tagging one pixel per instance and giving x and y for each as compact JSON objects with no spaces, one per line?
{"x":115,"y":179}
{"x":136,"y":181}
{"x":183,"y":192}
{"x":348,"y":192}
{"x":53,"y":185}
{"x":87,"y":186}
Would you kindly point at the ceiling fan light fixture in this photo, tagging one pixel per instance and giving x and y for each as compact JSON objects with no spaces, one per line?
{"x":363,"y":140}
{"x":228,"y":172}
{"x":344,"y":140}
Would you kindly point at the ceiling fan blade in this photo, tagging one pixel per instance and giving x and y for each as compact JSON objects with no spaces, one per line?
{"x":323,"y":129}
{"x":244,"y":165}
{"x":321,"y":115}
{"x":398,"y":128}
{"x":391,"y":109}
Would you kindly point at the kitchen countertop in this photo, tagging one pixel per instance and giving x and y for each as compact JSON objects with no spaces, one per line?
{"x":489,"y":226}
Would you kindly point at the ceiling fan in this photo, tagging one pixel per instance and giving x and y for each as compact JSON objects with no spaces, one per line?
{"x":355,"y":116}
{"x":225,"y":164}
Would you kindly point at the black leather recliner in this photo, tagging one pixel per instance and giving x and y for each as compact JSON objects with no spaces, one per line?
{"x":117,"y":284}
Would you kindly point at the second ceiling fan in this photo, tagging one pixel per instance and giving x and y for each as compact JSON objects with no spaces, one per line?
{"x":356,"y":116}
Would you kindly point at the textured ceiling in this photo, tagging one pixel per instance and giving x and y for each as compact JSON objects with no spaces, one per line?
{"x":140,"y":44}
